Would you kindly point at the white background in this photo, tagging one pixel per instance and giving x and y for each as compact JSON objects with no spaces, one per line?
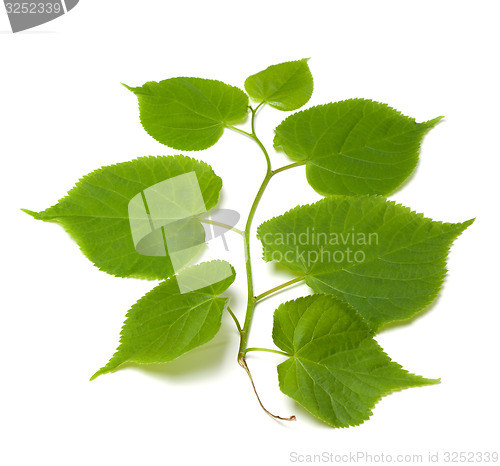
{"x":63,"y":113}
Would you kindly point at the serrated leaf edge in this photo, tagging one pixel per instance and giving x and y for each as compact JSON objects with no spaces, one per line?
{"x":270,"y":103}
{"x":40,"y":215}
{"x":369,"y":412}
{"x":432,"y":296}
{"x":105,"y":369}
{"x":223,"y":124}
{"x":277,"y":145}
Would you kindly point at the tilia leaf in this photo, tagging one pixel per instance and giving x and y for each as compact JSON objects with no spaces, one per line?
{"x":286,"y":86}
{"x":384,"y":260}
{"x":356,"y":146}
{"x":166,"y":323}
{"x":189,"y":113}
{"x":138,"y":218}
{"x":336,"y":370}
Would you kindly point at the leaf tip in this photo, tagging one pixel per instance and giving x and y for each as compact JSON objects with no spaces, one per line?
{"x":466,"y":224}
{"x":101,"y":371}
{"x":431,"y":123}
{"x":425,"y":381}
{"x":35,"y":215}
{"x":131,"y":89}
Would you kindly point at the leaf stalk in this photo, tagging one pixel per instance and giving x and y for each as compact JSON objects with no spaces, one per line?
{"x":278,"y":288}
{"x":286,"y":167}
{"x":236,"y":321}
{"x":268,"y":350}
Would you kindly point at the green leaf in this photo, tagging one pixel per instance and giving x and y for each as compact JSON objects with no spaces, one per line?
{"x":355,"y":146}
{"x":189,"y":113}
{"x":286,"y":86}
{"x":107,"y":216}
{"x":336,"y":370}
{"x":166,"y":323}
{"x":384,"y":260}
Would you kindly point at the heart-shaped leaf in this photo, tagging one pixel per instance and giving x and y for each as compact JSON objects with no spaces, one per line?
{"x":336,"y":370}
{"x":287,"y":86}
{"x":384,"y":260}
{"x":189,"y":113}
{"x":130,"y":218}
{"x":167,"y":322}
{"x":355,"y":146}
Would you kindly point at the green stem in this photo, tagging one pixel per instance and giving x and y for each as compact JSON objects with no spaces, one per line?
{"x":251,"y":300}
{"x":267,"y":350}
{"x":248,"y":262}
{"x":236,"y":321}
{"x":277,"y":288}
{"x":286,"y":167}
{"x":220,"y":224}
{"x":254,"y":112}
{"x":238,"y":130}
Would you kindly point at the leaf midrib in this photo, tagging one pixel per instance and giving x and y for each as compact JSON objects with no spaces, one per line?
{"x":370,"y":260}
{"x":283,"y":85}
